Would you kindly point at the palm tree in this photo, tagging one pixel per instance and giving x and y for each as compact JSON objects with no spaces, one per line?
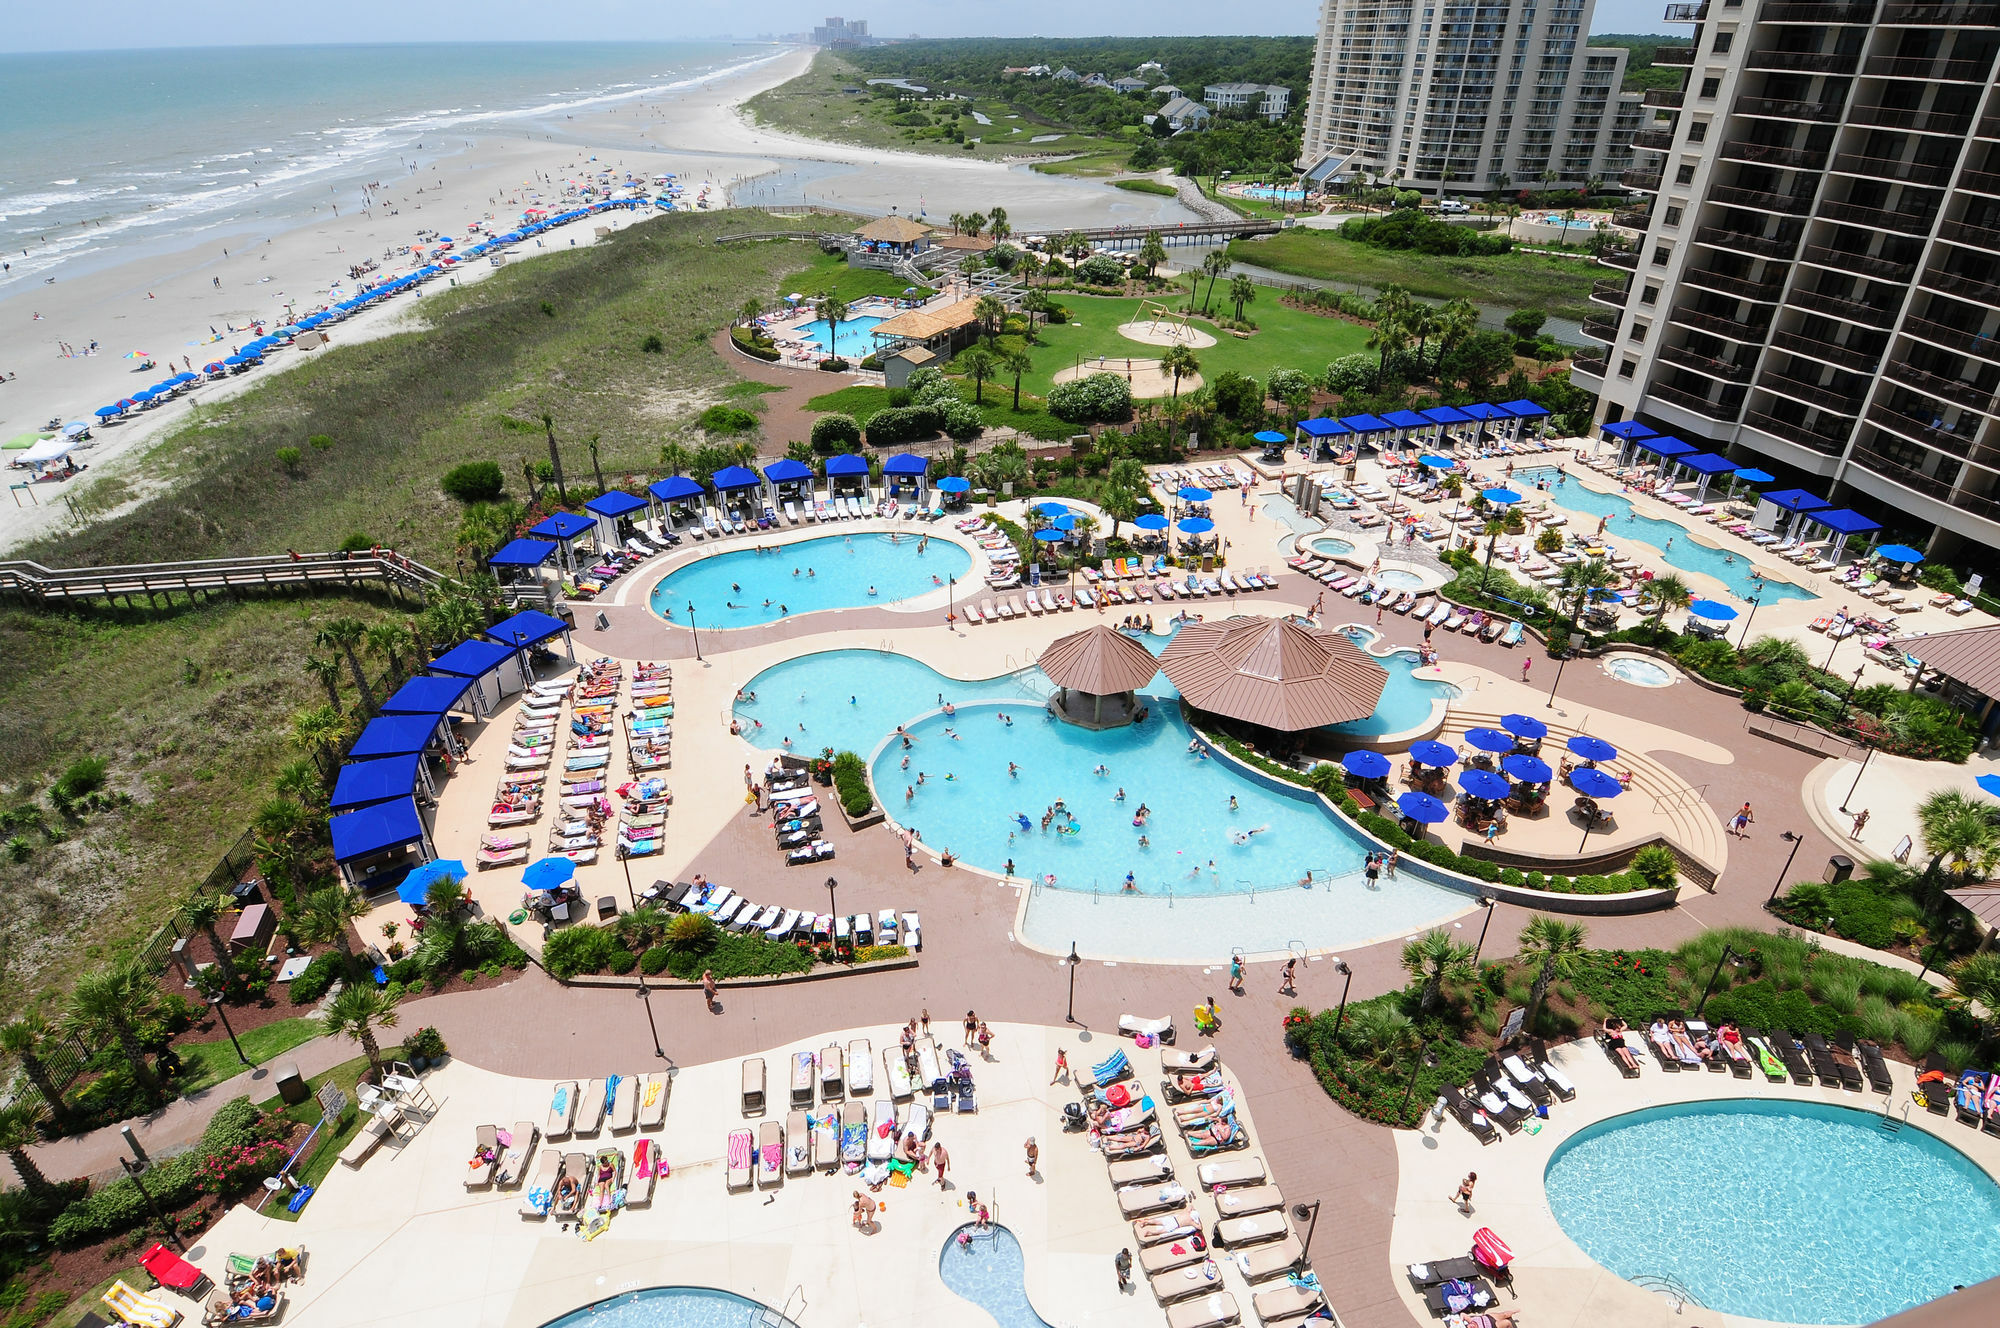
{"x":1178,"y":362}
{"x":1152,"y":253}
{"x":112,"y":1002}
{"x":1434,"y":959}
{"x":1242,"y":291}
{"x":1579,"y":580}
{"x":1213,"y":264}
{"x":981,"y":366}
{"x":992,"y":316}
{"x":319,"y":730}
{"x":1015,"y":362}
{"x":674,"y":457}
{"x":356,"y":1013}
{"x":750,"y":310}
{"x":325,"y":915}
{"x":1389,"y":337}
{"x":202,"y":913}
{"x":347,"y":634}
{"x":391,"y":642}
{"x":1456,"y":321}
{"x":1124,"y":484}
{"x":1977,"y":978}
{"x":1033,"y":303}
{"x":1326,"y":779}
{"x":997,"y":225}
{"x":1959,"y":835}
{"x":1669,"y":592}
{"x":327,"y":673}
{"x":18,"y":1122}
{"x":22,"y":1039}
{"x":834,"y":310}
{"x":299,"y":781}
{"x":1555,"y":945}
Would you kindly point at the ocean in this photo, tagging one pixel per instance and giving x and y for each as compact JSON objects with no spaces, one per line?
{"x":109,"y":152}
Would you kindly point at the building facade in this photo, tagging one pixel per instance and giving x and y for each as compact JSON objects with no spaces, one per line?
{"x":1818,"y":286}
{"x":1266,"y":99}
{"x":1476,"y":98}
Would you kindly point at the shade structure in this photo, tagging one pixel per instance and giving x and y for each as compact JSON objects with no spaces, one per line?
{"x":1322,"y":428}
{"x":1592,"y":748}
{"x":394,"y":735}
{"x":1406,"y":419}
{"x":1100,"y":660}
{"x":1524,"y":409}
{"x":1151,"y":521}
{"x":1366,"y":765}
{"x":614,"y":504}
{"x":1899,"y":553}
{"x":1269,"y":436}
{"x":674,"y":489}
{"x":787,"y":471}
{"x":1193,"y":493}
{"x":1711,"y":609}
{"x":1500,"y":497}
{"x":526,"y":628}
{"x":1594,"y":783}
{"x":1446,"y":415}
{"x":1273,"y":672}
{"x":1483,"y":784}
{"x":1667,"y":447}
{"x":562,"y":526}
{"x":1428,"y":752}
{"x":1490,"y":740}
{"x":1064,"y":523}
{"x":1796,"y":500}
{"x":847,"y":464}
{"x":1752,"y":475}
{"x":1435,"y":462}
{"x":1423,"y":807}
{"x":1366,"y":423}
{"x":357,"y":834}
{"x":548,"y":873}
{"x":734,"y":477}
{"x":1194,"y":525}
{"x":416,"y":887}
{"x":1050,"y":535}
{"x":1707,"y":463}
{"x":1629,"y":430}
{"x":954,"y":484}
{"x":1051,"y":509}
{"x":1486,"y":412}
{"x":906,"y":464}
{"x":1527,"y":769}
{"x":523,"y":553}
{"x":472,"y":659}
{"x":1524,"y":726}
{"x":1844,"y":521}
{"x":431,"y":695}
{"x":364,"y":782}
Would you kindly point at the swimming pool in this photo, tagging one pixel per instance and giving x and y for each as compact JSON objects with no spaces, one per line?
{"x":1406,"y":702}
{"x":748,"y":586}
{"x":666,"y":1307}
{"x":990,"y":1271}
{"x":855,"y":335}
{"x":1330,"y":546}
{"x":1639,"y":672}
{"x":1271,"y":192}
{"x":1670,"y":537}
{"x":1796,"y":1211}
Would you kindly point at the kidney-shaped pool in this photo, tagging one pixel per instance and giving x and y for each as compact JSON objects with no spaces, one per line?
{"x":755,"y":584}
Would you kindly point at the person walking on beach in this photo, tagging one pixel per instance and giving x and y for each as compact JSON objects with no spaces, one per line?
{"x":1286,"y":985}
{"x":1236,"y":975}
{"x":1034,"y":1156}
{"x":1741,"y":820}
{"x":1464,"y":1196}
{"x":1122,"y":1263}
{"x":1062,"y":1067}
{"x":1527,"y":662}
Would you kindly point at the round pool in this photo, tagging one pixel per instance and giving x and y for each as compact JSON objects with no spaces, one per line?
{"x":755,"y":584}
{"x":666,"y":1307}
{"x":1793,"y":1211}
{"x":1329,"y":546}
{"x":1638,"y":671}
{"x":1397,"y":578}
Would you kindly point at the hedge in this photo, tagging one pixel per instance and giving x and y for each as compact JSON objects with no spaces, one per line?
{"x":318,"y":977}
{"x":750,"y":345}
{"x":902,"y":424}
{"x":581,"y":949}
{"x":173,"y":1183}
{"x":850,"y":780}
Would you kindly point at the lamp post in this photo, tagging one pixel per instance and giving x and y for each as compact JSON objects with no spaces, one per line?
{"x":1866,"y":754}
{"x":215,"y":1004}
{"x":1727,"y":955}
{"x":1486,"y":904}
{"x":646,"y":995}
{"x":136,"y":1166}
{"x":1795,"y":840}
{"x":830,"y":884}
{"x":1303,"y":1212}
{"x":1847,"y":702}
{"x":1409,"y":1090}
{"x":1073,"y":960}
{"x":630,"y":895}
{"x":1748,"y":618}
{"x":951,"y":599}
{"x":696,"y":631}
{"x":1561,"y":660}
{"x":1341,"y":966}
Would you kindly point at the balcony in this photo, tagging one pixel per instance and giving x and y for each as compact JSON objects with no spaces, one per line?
{"x":1786,"y":11}
{"x":1812,"y":394}
{"x":1601,"y":329}
{"x":1943,"y":71}
{"x":1922,"y":122}
{"x":1964,"y":232}
{"x":1773,"y":108}
{"x":1965,"y":343}
{"x":1805,"y":62}
{"x":1671,"y":99}
{"x":1706,"y":364}
{"x":1686,"y":13}
{"x":1922,"y":431}
{"x":1608,"y":292}
{"x":1764,"y":292}
{"x":1673,"y":55}
{"x":1627,"y":259}
{"x":1790,"y":205}
{"x":1589,"y":364}
{"x":1654,"y":140}
{"x":1824,"y":440}
{"x":1853,"y":311}
{"x":1990,"y":127}
{"x":1881,"y":168}
{"x":1637,"y":220}
{"x":1980,"y":182}
{"x":1936,"y":15}
{"x":1907,"y":476}
{"x":1700,"y":405}
{"x":1845,"y":357}
{"x":1955,"y":390}
{"x":1881,"y":219}
{"x":1779,"y":246}
{"x":1767,"y":154}
{"x":1731,"y":329}
{"x":1648,"y":181}
{"x":1841,"y":261}
{"x":1963,"y":287}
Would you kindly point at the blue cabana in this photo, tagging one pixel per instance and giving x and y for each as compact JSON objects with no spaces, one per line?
{"x":674,"y":489}
{"x":1524,"y":410}
{"x":735,"y":477}
{"x":788,"y":471}
{"x":1666,"y":447}
{"x":432,"y":695}
{"x":1322,"y":427}
{"x":1794,"y":502}
{"x":1407,"y":419}
{"x":524,"y":553}
{"x":365,"y":782}
{"x":849,"y":464}
{"x":394,"y":735}
{"x":1629,"y":430}
{"x":1844,"y":522}
{"x":377,"y":829}
{"x":907,"y":464}
{"x":529,"y":627}
{"x":1366,"y":424}
{"x":617,"y":503}
{"x":1706,"y":466}
{"x":471,"y":659}
{"x":563,"y":528}
{"x":1487,"y":413}
{"x":1447,"y":415}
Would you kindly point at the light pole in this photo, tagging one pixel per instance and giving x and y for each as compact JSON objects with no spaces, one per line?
{"x":1748,"y":618}
{"x":1784,"y":871}
{"x":1727,"y":955}
{"x":1073,"y":960}
{"x":215,"y":1004}
{"x":1341,"y":966}
{"x":830,"y":884}
{"x":1409,"y":1091}
{"x":951,"y":599}
{"x":1561,"y":660}
{"x":696,"y":631}
{"x":646,"y":995}
{"x":1302,"y":1212}
{"x":1847,"y":703}
{"x":630,"y":895}
{"x":1866,"y":754}
{"x":136,"y":1166}
{"x":1486,"y":904}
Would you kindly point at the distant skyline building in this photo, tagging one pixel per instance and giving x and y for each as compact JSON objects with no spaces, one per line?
{"x":843,"y":32}
{"x":1476,"y":98}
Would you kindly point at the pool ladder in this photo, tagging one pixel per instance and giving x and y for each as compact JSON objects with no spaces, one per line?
{"x":765,"y":1317}
{"x":1670,"y":1287}
{"x":1892,"y":1124}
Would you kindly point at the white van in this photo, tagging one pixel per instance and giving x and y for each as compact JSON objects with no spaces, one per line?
{"x":1452,"y":205}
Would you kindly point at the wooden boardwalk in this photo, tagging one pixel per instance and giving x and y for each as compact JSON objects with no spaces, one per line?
{"x":41,"y":585}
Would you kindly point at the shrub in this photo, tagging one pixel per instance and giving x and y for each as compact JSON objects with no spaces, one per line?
{"x":850,"y":780}
{"x":726,"y":419}
{"x":754,"y":344}
{"x":654,"y":961}
{"x":961,"y":420}
{"x":356,"y":542}
{"x":1410,"y":229}
{"x":175,"y":1182}
{"x":426,"y":1042}
{"x":833,"y":364}
{"x":84,"y":777}
{"x":1101,"y":271}
{"x":833,"y":434}
{"x":320,"y":442}
{"x":652,"y":345}
{"x":1101,"y":398}
{"x":575,"y":950}
{"x":623,"y":961}
{"x":735,"y":956}
{"x":473,"y":482}
{"x":1238,"y":396}
{"x":869,"y":953}
{"x":312,"y":984}
{"x":289,"y":457}
{"x":1350,"y":374}
{"x":1656,"y":865}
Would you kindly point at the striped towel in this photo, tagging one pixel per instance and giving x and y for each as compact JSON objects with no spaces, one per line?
{"x":739,"y":1148}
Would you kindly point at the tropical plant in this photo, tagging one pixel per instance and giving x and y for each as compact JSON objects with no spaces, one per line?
{"x":1389,"y":338}
{"x":991,"y":313}
{"x":981,"y":366}
{"x":20,"y":1122}
{"x":356,"y":1013}
{"x":324,"y":916}
{"x":326,"y":672}
{"x":997,"y":225}
{"x":1213,"y":264}
{"x":1242,"y":291}
{"x":1977,"y":978}
{"x":674,"y":457}
{"x":112,"y":1002}
{"x":1152,"y":253}
{"x":1178,"y":362}
{"x":1555,"y":948}
{"x":1579,"y":581}
{"x":1380,"y":1032}
{"x":750,"y":310}
{"x":834,"y":311}
{"x":393,"y":642}
{"x":347,"y":635}
{"x":1668,"y":592}
{"x":1435,"y":959}
{"x":22,"y":1039}
{"x":1326,"y":779}
{"x":202,"y":913}
{"x":1959,"y":835}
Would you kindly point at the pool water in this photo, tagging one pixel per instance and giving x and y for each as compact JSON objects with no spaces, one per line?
{"x":1406,"y":701}
{"x":1794,"y":1211}
{"x":855,"y":336}
{"x":1737,"y":574}
{"x":991,"y":1272}
{"x":1639,"y":672}
{"x":729,"y":589}
{"x":666,"y":1307}
{"x":1273,"y":192}
{"x":1397,"y":579}
{"x":1327,"y":546}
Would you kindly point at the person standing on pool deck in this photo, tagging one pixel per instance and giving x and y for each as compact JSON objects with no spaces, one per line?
{"x":1062,"y":1067}
{"x":1236,"y":975}
{"x":971,"y":1027}
{"x":1526,"y":662}
{"x":1286,"y":985}
{"x":1464,"y":1196}
{"x":1034,"y":1156}
{"x":1122,"y":1263}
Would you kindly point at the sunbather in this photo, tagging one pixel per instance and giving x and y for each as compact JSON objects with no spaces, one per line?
{"x":1128,"y":1140}
{"x":1162,"y":1225}
{"x":1615,"y":1029}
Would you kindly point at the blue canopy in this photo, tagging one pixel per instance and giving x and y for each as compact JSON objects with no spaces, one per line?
{"x":1428,"y":752}
{"x":1483,"y":784}
{"x":847,"y":464}
{"x":1151,"y":521}
{"x":1423,"y":807}
{"x":1524,"y":726}
{"x":1592,"y":748}
{"x":1526,"y":410}
{"x":1484,"y":411}
{"x":1752,"y":475}
{"x":1322,"y":428}
{"x":524,"y":553}
{"x":562,"y":526}
{"x":1490,"y":740}
{"x":548,"y":873}
{"x":1064,"y":523}
{"x":1366,"y":765}
{"x":1594,"y":783}
{"x":1366,"y":423}
{"x":907,"y":463}
{"x":1666,"y":447}
{"x":1527,"y":769}
{"x":526,"y":628}
{"x":734,"y":477}
{"x":1447,"y":415}
{"x":954,"y":484}
{"x":106,"y":412}
{"x":1989,"y":784}
{"x":1629,"y":430}
{"x":1195,"y":525}
{"x":787,"y":471}
{"x":615,"y":504}
{"x":1269,"y":436}
{"x":1193,"y":493}
{"x":1050,"y":535}
{"x":471,"y":659}
{"x":1051,"y":509}
{"x":1899,"y":553}
{"x":365,"y":782}
{"x":674,"y":489}
{"x":1796,"y":500}
{"x":394,"y":735}
{"x":1433,"y":461}
{"x":1712,"y":609}
{"x":416,"y":887}
{"x":1844,"y":521}
{"x":1500,"y":497}
{"x":1406,"y":419}
{"x":426,"y":696}
{"x":385,"y":825}
{"x":1707,"y":463}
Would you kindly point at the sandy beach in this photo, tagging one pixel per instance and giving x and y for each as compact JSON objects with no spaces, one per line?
{"x":182,"y":305}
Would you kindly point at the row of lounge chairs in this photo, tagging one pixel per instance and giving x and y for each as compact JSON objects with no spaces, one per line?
{"x":611,"y":563}
{"x":1459,"y":1285}
{"x":777,"y":923}
{"x":1036,"y":601}
{"x":1677,"y":1044}
{"x":1509,"y":1090}
{"x":591,"y":1187}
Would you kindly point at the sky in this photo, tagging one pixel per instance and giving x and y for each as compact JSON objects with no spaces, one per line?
{"x":99,"y":24}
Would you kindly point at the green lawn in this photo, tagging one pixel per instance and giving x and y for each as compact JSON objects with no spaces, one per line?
{"x":830,"y":272}
{"x":326,"y":1151}
{"x":90,"y":1303}
{"x":1558,"y":285}
{"x":997,"y":410}
{"x":210,"y":1063}
{"x":1146,"y":187}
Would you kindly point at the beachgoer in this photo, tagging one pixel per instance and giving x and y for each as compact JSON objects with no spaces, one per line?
{"x":1860,"y":820}
{"x":1121,"y":1262}
{"x":708,"y":987}
{"x":1062,"y":1066}
{"x":864,"y":1211}
{"x":939,"y":1161}
{"x":1285,"y":983}
{"x":1034,"y":1156}
{"x":985,"y":1040}
{"x":1464,"y":1196}
{"x":971,"y":1027}
{"x":1236,"y":974}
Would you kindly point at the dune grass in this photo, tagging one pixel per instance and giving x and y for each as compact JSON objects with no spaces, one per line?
{"x":1146,"y":187}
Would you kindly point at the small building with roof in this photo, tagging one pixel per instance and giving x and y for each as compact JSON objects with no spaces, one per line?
{"x":1093,"y":666}
{"x":887,"y":241}
{"x":942,"y":329}
{"x":1273,"y":674}
{"x":1180,"y":113}
{"x":898,"y":365}
{"x":1128,"y":84}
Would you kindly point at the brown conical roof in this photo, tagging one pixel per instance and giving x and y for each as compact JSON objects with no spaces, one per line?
{"x":1273,"y":672}
{"x":1099,"y":660}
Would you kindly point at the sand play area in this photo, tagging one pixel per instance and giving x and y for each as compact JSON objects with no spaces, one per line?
{"x":1144,"y":375}
{"x":1165,"y":332}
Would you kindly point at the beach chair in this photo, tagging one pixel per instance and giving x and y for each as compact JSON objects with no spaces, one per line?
{"x":1261,"y":1263}
{"x":539,"y":1196}
{"x":1287,"y":1303}
{"x":1245,"y":1200}
{"x":753,"y":1086}
{"x":512,"y":1164}
{"x":1142,"y":1170}
{"x":647,"y":1166}
{"x":798,"y":1143}
{"x":1214,"y":1310}
{"x":1231,"y":1171}
{"x":770,"y":1154}
{"x":562,"y":1111}
{"x":1253,"y":1229}
{"x":623,"y":1111}
{"x":142,"y":1311}
{"x":739,"y":1160}
{"x":860,"y":1068}
{"x":576,"y":1167}
{"x":485,"y":1157}
{"x":590,"y":1107}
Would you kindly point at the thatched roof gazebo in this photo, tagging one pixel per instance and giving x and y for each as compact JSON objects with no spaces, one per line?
{"x":1096,"y":663}
{"x":1274,"y":673}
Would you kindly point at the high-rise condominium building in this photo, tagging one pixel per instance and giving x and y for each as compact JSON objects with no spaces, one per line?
{"x":1818,"y":288}
{"x":1473,"y":98}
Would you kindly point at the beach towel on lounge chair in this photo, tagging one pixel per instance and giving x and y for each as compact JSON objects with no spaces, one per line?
{"x":517,"y":1147}
{"x":1112,"y":1067}
{"x":540,"y":1194}
{"x":739,"y":1160}
{"x":647,"y":1167}
{"x":1214,"y":1310}
{"x":562,"y":1110}
{"x":770,"y":1154}
{"x":853,"y":1133}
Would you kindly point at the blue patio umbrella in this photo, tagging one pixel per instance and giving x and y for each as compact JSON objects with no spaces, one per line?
{"x":1989,"y":784}
{"x":1434,"y":462}
{"x":1050,"y":535}
{"x":1151,"y":521}
{"x":1064,"y":523}
{"x":1191,"y":494}
{"x":1899,"y":553}
{"x":1269,"y":436}
{"x":1052,"y":509}
{"x":1366,"y":765}
{"x":548,"y":873}
{"x":1594,"y":783}
{"x":1483,"y":784}
{"x":416,"y":887}
{"x":1524,"y":726}
{"x":1592,"y":748}
{"x":106,"y":412}
{"x":1433,"y":753}
{"x":1527,"y":769}
{"x":1500,"y":497}
{"x":1423,"y":807}
{"x":1713,"y":610}
{"x":1490,"y":740}
{"x":954,"y":484}
{"x":1194,"y":525}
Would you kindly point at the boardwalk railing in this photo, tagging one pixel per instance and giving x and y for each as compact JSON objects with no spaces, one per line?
{"x":42,"y":585}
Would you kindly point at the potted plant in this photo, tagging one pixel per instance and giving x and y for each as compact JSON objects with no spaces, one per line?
{"x":425,"y":1048}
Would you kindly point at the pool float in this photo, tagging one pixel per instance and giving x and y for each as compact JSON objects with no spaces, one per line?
{"x":1072,"y":828}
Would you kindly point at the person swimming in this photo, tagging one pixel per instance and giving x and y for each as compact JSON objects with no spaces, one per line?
{"x":871,"y":590}
{"x":1241,"y":837}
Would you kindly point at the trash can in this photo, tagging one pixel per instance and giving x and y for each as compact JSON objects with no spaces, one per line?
{"x":291,"y":1084}
{"x":1838,"y":868}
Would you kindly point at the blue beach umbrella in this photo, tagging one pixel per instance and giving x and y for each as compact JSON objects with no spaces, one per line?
{"x":1527,"y":769}
{"x":1194,"y":525}
{"x":1490,"y":740}
{"x":548,"y":873}
{"x":1500,"y":497}
{"x":1423,"y":807}
{"x":954,"y":484}
{"x":417,"y":885}
{"x":1435,"y":462}
{"x":1151,"y":521}
{"x":1269,"y":436}
{"x":1433,"y":753}
{"x":1366,"y":765}
{"x":1752,"y":475}
{"x":1899,"y":553}
{"x":1191,"y":494}
{"x":1483,"y":784}
{"x":1050,"y":535}
{"x":1592,"y":748}
{"x":1989,"y":784}
{"x":1713,"y":610}
{"x":106,"y":412}
{"x":1052,"y":509}
{"x":1594,"y":783}
{"x":1064,"y":523}
{"x":1524,"y":726}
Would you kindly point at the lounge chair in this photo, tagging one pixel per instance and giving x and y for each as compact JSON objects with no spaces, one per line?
{"x":1478,"y":1293}
{"x":1139,"y":1200}
{"x":825,"y":1140}
{"x":1246,"y":1199}
{"x":1937,"y":1090}
{"x":1134,"y":1145}
{"x":860,"y":1068}
{"x":576,"y":1167}
{"x":741,"y":1158}
{"x":1142,"y":1170}
{"x":753,"y":1086}
{"x":1787,"y":1048}
{"x":1293,"y":1301}
{"x":540,"y":1194}
{"x":881,"y":1130}
{"x":1468,"y":1113}
{"x":1184,"y":1279}
{"x":1558,"y":1082}
{"x":562,"y":1111}
{"x":1174,"y":1255}
{"x":1424,"y":1276}
{"x":898,"y":1074}
{"x":1214,"y":1310}
{"x":1823,"y":1064}
{"x":1134,"y":1025}
{"x":1523,"y":1078}
{"x":1254,"y":1229}
{"x":622,"y":1114}
{"x":1161,"y":1228}
{"x":513,"y":1164}
{"x":770,"y":1154}
{"x":128,"y":1305}
{"x":1188,"y":1062}
{"x":647,"y":1167}
{"x":1261,"y":1263}
{"x":1111,"y":1069}
{"x":485,"y":1157}
{"x":170,"y":1270}
{"x":590,"y":1107}
{"x":1876,"y":1067}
